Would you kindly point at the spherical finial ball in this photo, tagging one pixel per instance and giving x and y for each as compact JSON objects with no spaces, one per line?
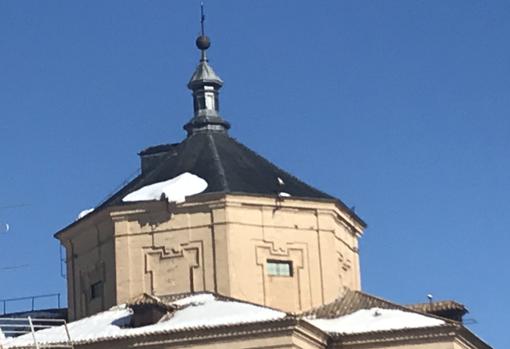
{"x":203,"y":42}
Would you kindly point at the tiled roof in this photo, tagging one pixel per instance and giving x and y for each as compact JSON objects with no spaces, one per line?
{"x":216,"y":316}
{"x":196,"y":311}
{"x":349,"y":302}
{"x":438,"y":306}
{"x":449,"y":309}
{"x":147,"y":299}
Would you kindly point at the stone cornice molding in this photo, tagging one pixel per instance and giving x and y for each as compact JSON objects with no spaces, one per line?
{"x":405,"y":336}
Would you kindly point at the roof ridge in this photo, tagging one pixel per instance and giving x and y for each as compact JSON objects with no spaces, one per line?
{"x":219,"y":296}
{"x":444,"y":301}
{"x":406,"y":308}
{"x":218,"y":163}
{"x":350,"y":301}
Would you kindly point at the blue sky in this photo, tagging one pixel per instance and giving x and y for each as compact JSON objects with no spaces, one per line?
{"x":399,"y":108}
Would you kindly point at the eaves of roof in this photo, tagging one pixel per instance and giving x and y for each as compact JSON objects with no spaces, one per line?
{"x":197,"y":333}
{"x":448,"y":331}
{"x":438,"y":306}
{"x":206,"y":196}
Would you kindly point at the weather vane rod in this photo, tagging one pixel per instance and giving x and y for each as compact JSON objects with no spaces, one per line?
{"x":202,"y":41}
{"x":202,"y":18}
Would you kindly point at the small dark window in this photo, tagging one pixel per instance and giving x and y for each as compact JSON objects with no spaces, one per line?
{"x":96,"y":290}
{"x":279,"y":268}
{"x":201,"y":102}
{"x":195,"y":104}
{"x":217,"y":102}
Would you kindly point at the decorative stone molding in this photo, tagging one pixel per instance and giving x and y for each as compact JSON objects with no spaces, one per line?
{"x":296,"y":254}
{"x":174,"y":269}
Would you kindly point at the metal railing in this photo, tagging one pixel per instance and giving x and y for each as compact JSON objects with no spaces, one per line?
{"x":14,"y":327}
{"x":31,"y":299}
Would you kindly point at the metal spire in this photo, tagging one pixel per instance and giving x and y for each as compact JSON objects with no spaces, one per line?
{"x":205,"y":85}
{"x":203,"y":41}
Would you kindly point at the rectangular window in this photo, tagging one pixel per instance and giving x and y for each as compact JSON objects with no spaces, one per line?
{"x":96,"y":290}
{"x":279,"y":268}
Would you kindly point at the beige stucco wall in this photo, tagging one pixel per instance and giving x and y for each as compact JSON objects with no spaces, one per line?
{"x":90,"y":258}
{"x":163,"y":249}
{"x":217,"y":243}
{"x":312,"y":235}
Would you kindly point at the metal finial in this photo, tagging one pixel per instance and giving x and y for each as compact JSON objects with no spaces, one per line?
{"x":202,"y":41}
{"x":430,"y":298}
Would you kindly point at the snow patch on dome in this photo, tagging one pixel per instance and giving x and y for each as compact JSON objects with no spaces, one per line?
{"x":175,"y":189}
{"x":84,"y":213}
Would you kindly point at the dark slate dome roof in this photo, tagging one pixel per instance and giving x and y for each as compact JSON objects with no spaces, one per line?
{"x":210,"y":153}
{"x":227,"y":165}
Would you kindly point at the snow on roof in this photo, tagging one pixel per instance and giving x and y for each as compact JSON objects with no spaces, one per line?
{"x":175,"y":189}
{"x":84,"y":213}
{"x":198,"y":298}
{"x":201,"y":310}
{"x":375,"y":319}
{"x":206,"y":310}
